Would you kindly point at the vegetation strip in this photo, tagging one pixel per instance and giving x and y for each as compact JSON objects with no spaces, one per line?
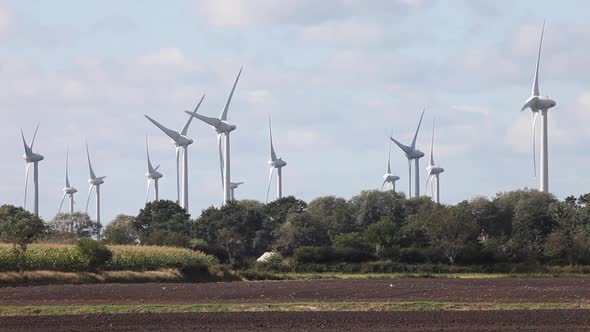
{"x":263,"y":307}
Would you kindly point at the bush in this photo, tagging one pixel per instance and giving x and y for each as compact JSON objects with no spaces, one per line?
{"x":352,"y":255}
{"x":411,"y":255}
{"x":305,"y":255}
{"x":95,"y":252}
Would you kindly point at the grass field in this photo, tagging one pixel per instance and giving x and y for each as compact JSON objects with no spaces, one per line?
{"x":281,"y":307}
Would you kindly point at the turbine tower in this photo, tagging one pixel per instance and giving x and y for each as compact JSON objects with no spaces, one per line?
{"x":539,"y":104}
{"x":32,"y":158}
{"x":223,"y":128}
{"x":152,"y":174}
{"x":433,"y":172}
{"x":94,"y":182}
{"x":389,"y":178}
{"x":413,"y":154}
{"x":181,"y":142}
{"x":68,"y":189}
{"x":233,"y":186}
{"x":277,"y":163}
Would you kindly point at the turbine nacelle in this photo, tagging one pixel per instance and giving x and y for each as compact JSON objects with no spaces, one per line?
{"x":539,"y":103}
{"x":277,"y":163}
{"x":434,"y":170}
{"x":33,"y":157}
{"x":182,"y":141}
{"x":390,"y":178}
{"x":154,"y":175}
{"x":235,"y":185}
{"x":69,"y":190}
{"x":97,"y":181}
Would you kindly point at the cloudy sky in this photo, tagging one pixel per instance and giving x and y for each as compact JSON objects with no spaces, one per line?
{"x":336,"y":76}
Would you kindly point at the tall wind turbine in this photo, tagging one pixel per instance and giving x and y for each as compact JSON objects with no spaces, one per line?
{"x":32,"y":158}
{"x":539,"y":104}
{"x":433,"y":172}
{"x":152,"y":174}
{"x":233,"y":186}
{"x":181,"y":142}
{"x":94,"y":182}
{"x":277,"y":163}
{"x":389,"y":178}
{"x":413,"y":154}
{"x":68,"y":189}
{"x":223,"y":128}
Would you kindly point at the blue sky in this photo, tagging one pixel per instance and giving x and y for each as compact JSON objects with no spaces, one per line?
{"x":336,"y":76}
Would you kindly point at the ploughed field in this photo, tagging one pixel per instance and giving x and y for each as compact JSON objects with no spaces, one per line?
{"x":569,"y":292}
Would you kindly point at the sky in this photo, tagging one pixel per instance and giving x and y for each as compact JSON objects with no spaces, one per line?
{"x":335,"y":76}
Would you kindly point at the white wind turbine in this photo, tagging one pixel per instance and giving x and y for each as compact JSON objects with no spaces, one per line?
{"x":32,"y":158}
{"x":95,"y":182}
{"x":152,"y":174}
{"x":539,"y":104}
{"x":233,"y":186}
{"x":412,"y":154}
{"x":389,"y":178}
{"x":433,"y":172}
{"x":222,"y":127}
{"x":181,"y":142}
{"x":68,"y":189}
{"x":277,"y":163}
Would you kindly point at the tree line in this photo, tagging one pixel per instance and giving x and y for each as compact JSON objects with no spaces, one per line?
{"x":522,"y":226}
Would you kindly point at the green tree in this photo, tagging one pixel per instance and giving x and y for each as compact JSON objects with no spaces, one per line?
{"x":163,"y":223}
{"x":373,"y":205}
{"x":73,"y":225}
{"x":300,"y":229}
{"x":19,"y":227}
{"x":335,"y":213}
{"x":121,"y":231}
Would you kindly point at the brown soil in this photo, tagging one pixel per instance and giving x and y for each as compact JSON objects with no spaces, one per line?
{"x":504,"y":290}
{"x":538,"y":320}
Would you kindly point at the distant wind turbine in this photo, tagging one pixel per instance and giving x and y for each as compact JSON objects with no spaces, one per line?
{"x":68,"y":189}
{"x":277,"y":163}
{"x":32,"y":158}
{"x":413,"y":154}
{"x":94,"y":182}
{"x":433,"y":172}
{"x":233,"y":186}
{"x":538,"y":103}
{"x":152,"y":174}
{"x":389,"y":178}
{"x":181,"y":142}
{"x":223,"y":128}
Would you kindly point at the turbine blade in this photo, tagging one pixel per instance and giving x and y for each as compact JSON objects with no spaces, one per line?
{"x":184,"y":130}
{"x":156,"y":168}
{"x":27,"y":168}
{"x":383,"y":185}
{"x":62,"y":203}
{"x":208,"y":120}
{"x":535,"y":91}
{"x":269,"y":183}
{"x":231,"y":94}
{"x":410,"y":178}
{"x":389,"y":156}
{"x":406,"y":149}
{"x":147,"y":153}
{"x":529,"y":103}
{"x":273,"y":155}
{"x":34,"y":136}
{"x":220,"y":148}
{"x":147,"y":192}
{"x":88,"y":199}
{"x":431,"y":163}
{"x":67,"y":164}
{"x":28,"y":150}
{"x":169,"y":132}
{"x":413,"y":146}
{"x":92,"y":175}
{"x":535,"y":115}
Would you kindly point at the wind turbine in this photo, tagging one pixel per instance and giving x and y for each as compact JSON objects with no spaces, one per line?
{"x":389,"y":177}
{"x":433,"y":172}
{"x":222,"y":127}
{"x":539,"y":104}
{"x":152,"y":174}
{"x":181,"y":142}
{"x":68,"y":189}
{"x":413,"y":154}
{"x":94,"y":182}
{"x":32,"y":158}
{"x":233,"y":186}
{"x":277,"y":163}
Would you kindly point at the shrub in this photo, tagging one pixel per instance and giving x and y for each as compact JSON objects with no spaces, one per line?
{"x":352,"y":255}
{"x":304,"y":255}
{"x":95,"y":252}
{"x":411,"y":255}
